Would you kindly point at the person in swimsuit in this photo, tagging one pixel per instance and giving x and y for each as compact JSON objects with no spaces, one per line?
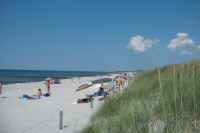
{"x":100,"y":91}
{"x":34,"y":96}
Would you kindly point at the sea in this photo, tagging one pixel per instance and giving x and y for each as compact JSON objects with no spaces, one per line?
{"x":21,"y":76}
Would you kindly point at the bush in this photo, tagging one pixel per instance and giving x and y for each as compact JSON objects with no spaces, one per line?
{"x":177,"y":102}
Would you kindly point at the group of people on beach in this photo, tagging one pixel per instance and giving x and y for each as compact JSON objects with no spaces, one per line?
{"x":119,"y":82}
{"x":34,"y":96}
{"x":38,"y":94}
{"x":89,"y":98}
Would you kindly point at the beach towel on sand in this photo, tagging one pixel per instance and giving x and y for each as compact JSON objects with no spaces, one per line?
{"x":26,"y":96}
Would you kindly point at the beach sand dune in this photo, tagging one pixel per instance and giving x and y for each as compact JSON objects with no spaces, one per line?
{"x":42,"y":115}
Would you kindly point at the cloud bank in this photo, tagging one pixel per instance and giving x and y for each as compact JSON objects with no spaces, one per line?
{"x":186,"y":52}
{"x":182,"y":40}
{"x":139,"y":44}
{"x":198,"y":46}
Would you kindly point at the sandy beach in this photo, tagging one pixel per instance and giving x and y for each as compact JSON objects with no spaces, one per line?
{"x":42,"y":115}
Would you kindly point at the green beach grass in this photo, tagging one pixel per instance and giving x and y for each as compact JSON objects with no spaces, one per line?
{"x":176,"y":102}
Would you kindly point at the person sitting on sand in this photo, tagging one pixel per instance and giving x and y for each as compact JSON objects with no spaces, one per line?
{"x":85,"y":100}
{"x":100,"y":91}
{"x":34,"y":96}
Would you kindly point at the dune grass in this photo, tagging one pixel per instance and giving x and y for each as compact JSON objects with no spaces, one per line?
{"x":176,"y":102}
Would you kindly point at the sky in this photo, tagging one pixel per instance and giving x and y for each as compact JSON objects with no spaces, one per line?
{"x":98,"y":35}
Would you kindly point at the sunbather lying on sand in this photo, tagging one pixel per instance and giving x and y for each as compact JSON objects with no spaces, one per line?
{"x":34,"y":96}
{"x":84,"y":100}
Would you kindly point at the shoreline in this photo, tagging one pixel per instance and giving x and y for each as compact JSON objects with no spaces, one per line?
{"x":22,"y":116}
{"x":57,"y":78}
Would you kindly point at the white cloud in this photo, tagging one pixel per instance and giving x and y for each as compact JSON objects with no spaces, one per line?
{"x":198,"y":46}
{"x":139,"y":44}
{"x":181,"y":41}
{"x":186,"y":52}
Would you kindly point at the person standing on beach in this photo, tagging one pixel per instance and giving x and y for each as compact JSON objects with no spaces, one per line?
{"x":79,"y":80}
{"x":48,"y":87}
{"x":1,"y":85}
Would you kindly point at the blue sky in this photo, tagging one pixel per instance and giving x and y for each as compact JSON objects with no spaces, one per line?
{"x":93,"y":35}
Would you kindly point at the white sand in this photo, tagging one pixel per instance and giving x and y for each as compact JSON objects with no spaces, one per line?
{"x":42,"y":116}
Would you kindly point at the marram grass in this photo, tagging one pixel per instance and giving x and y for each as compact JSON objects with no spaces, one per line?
{"x":176,"y":103}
